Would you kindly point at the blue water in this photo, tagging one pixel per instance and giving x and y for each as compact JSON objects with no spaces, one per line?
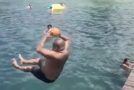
{"x":101,"y":31}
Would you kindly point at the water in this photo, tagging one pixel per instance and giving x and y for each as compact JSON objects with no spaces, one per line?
{"x":101,"y":32}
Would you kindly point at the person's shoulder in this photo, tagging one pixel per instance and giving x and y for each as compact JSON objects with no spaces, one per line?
{"x":125,"y":65}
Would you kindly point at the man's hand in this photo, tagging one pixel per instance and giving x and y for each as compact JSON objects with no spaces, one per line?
{"x":48,"y":34}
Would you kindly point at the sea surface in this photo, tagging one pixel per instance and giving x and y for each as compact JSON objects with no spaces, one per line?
{"x":101,"y":33}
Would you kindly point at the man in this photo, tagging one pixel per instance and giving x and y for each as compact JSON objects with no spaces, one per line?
{"x":126,"y":65}
{"x":49,"y":68}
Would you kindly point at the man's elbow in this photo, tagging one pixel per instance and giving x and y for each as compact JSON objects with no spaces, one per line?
{"x":67,"y":40}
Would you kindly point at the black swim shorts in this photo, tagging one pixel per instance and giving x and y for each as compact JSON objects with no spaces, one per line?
{"x":36,"y":71}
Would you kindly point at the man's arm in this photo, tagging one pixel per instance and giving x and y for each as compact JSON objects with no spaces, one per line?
{"x":42,"y":43}
{"x":67,"y":42}
{"x":44,"y":51}
{"x":126,"y":66}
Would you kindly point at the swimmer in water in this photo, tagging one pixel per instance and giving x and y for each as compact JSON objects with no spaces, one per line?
{"x":62,"y":4}
{"x":49,"y":27}
{"x":126,"y":65}
{"x":29,"y":6}
{"x":49,"y":68}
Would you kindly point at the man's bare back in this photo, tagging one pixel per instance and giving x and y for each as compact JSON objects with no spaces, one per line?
{"x":53,"y":68}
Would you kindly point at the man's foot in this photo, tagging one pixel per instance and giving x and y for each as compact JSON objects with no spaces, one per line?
{"x":14,"y":63}
{"x":21,"y":59}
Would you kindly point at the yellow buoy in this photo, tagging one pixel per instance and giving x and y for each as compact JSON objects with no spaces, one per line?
{"x":58,"y":7}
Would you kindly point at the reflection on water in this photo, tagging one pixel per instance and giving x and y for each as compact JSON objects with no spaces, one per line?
{"x":101,"y":32}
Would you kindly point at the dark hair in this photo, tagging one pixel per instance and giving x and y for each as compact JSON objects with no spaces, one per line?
{"x":49,"y":26}
{"x":125,"y":60}
{"x":61,"y":4}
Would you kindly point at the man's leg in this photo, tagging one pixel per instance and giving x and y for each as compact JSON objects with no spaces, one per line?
{"x":22,"y":68}
{"x":31,"y":61}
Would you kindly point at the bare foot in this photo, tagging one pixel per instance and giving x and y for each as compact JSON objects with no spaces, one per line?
{"x":14,"y":63}
{"x":21,"y":59}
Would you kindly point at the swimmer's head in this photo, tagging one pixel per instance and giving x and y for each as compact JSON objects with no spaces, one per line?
{"x":125,"y":60}
{"x":49,"y":26}
{"x":61,"y":4}
{"x":58,"y":45}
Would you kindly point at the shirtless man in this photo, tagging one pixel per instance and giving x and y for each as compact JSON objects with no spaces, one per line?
{"x":126,"y":65}
{"x":50,"y":67}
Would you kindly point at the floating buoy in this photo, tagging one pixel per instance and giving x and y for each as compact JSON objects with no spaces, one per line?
{"x":57,"y":8}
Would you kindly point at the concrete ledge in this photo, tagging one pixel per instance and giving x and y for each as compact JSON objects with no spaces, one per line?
{"x":129,"y":84}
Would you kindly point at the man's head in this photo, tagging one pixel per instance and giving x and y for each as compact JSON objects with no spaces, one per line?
{"x":49,"y":26}
{"x":125,"y":60}
{"x":58,"y":45}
